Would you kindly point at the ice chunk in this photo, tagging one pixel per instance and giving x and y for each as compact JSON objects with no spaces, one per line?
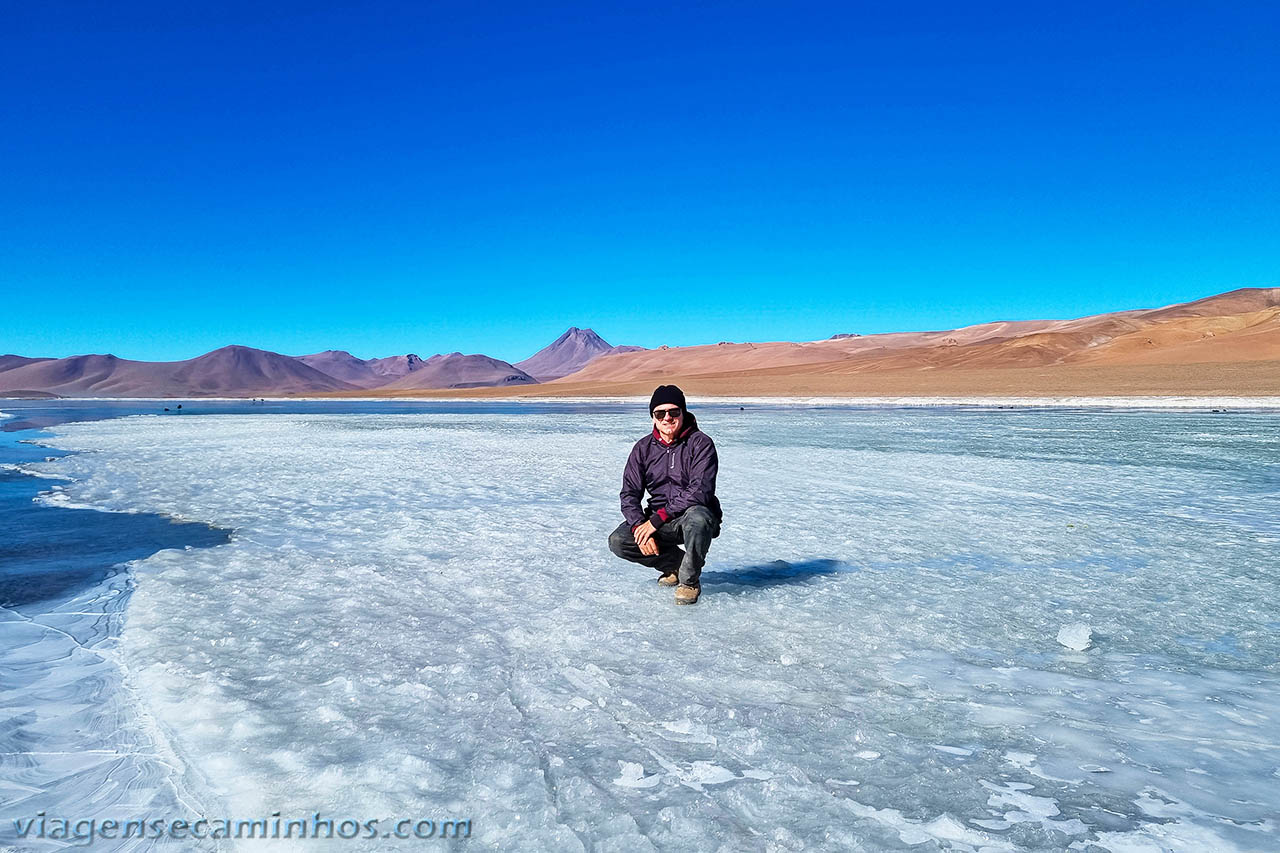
{"x":632,"y":776}
{"x":687,"y":731}
{"x":1077,"y":636}
{"x":706,"y":773}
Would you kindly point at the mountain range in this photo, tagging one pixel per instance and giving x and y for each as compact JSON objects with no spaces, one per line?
{"x":1226,"y":344}
{"x":241,"y":371}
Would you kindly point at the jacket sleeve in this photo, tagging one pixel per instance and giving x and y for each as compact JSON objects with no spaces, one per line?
{"x":701,"y":485}
{"x":633,"y":489}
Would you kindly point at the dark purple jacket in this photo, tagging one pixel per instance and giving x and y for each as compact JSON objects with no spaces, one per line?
{"x":677,"y":476}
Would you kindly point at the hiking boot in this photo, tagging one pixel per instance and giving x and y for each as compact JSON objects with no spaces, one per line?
{"x":687,"y":594}
{"x":669,"y":579}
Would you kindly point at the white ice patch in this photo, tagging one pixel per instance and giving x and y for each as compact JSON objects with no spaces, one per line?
{"x":944,"y":830}
{"x":29,"y":469}
{"x":687,"y":731}
{"x":1076,"y":636}
{"x":418,"y":612}
{"x":632,"y":776}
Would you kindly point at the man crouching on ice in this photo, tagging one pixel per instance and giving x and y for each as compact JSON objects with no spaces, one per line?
{"x":677,"y":464}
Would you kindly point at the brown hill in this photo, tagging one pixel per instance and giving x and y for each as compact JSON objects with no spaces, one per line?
{"x":8,"y":362}
{"x":395,"y":366}
{"x":568,"y":354}
{"x":456,"y":370}
{"x":362,"y":373}
{"x":1243,"y":325}
{"x":231,"y":371}
{"x":1227,"y":344}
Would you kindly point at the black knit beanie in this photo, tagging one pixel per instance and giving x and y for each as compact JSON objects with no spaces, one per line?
{"x":667,"y":394}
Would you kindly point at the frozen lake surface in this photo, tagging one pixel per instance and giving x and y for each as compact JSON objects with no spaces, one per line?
{"x":926,"y":629}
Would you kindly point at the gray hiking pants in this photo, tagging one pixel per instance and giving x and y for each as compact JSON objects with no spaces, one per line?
{"x":694,"y":528}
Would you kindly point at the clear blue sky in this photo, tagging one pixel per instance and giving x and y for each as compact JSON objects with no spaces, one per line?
{"x":427,"y":177}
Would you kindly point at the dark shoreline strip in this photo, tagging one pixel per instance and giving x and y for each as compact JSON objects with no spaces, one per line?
{"x":51,"y":552}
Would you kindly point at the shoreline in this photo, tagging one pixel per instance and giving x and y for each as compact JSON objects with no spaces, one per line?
{"x":65,"y":614}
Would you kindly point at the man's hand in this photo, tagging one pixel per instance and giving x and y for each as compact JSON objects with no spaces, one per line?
{"x":644,"y":538}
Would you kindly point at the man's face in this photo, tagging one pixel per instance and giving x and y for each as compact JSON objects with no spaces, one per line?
{"x":668,"y":419}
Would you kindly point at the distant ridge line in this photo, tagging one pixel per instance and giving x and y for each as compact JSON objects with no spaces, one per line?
{"x":1227,"y":336}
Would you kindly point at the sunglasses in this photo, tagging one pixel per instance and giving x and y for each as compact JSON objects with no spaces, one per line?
{"x":666,"y":414}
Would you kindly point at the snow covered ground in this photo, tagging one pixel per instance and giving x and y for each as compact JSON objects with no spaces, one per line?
{"x":934,"y":629}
